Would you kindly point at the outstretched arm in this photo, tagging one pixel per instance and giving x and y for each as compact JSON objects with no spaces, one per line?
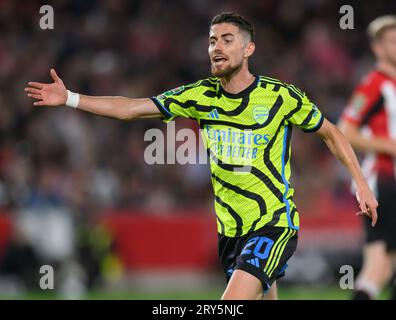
{"x":342,"y":150}
{"x":55,"y":94}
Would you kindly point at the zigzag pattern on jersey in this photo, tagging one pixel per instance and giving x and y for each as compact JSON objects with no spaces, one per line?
{"x":233,"y":213}
{"x":248,"y":194}
{"x":266,"y":155}
{"x":238,"y":110}
{"x":222,"y":227}
{"x":277,"y":175}
{"x":278,"y":84}
{"x":199,"y":107}
{"x":296,"y":94}
{"x":268,"y":183}
{"x":264,"y":178}
{"x":255,"y":171}
{"x":273,"y":111}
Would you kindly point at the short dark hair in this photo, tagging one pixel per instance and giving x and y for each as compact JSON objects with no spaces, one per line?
{"x":235,"y":19}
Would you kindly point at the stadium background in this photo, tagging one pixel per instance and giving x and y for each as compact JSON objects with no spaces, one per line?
{"x":75,"y":192}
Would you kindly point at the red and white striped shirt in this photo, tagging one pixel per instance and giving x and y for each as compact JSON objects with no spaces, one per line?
{"x":372,"y":108}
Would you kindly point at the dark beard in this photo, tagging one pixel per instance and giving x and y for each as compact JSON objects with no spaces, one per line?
{"x":228,"y":72}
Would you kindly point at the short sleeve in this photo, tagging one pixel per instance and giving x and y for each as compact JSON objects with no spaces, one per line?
{"x":305,"y":114}
{"x":176,"y":103}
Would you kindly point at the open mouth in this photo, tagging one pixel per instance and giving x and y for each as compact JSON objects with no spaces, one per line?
{"x":219,"y":60}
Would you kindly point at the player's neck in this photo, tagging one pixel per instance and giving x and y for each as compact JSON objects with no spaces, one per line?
{"x":237,"y":82}
{"x":387,"y":68}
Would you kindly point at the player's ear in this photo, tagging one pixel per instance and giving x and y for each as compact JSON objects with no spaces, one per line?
{"x":249,"y":49}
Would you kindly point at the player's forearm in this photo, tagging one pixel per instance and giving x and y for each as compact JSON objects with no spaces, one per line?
{"x":342,"y":150}
{"x":113,"y":107}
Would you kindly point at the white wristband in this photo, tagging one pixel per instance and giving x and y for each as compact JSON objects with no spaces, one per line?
{"x":72,"y":99}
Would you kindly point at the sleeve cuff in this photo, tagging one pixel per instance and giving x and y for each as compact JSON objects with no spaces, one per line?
{"x":161,"y":108}
{"x":317,"y":126}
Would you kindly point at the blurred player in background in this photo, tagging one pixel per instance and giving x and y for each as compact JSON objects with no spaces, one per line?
{"x":369,"y":122}
{"x":245,"y":119}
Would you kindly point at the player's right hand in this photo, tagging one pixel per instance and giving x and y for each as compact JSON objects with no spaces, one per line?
{"x":368,"y":204}
{"x":48,"y":94}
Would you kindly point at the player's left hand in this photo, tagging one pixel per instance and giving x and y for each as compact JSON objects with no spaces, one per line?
{"x":368,"y":204}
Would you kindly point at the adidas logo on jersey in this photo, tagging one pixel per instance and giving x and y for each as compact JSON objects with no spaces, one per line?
{"x":254,"y":262}
{"x":214,"y":114}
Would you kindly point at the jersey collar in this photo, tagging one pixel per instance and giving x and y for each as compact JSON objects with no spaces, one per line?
{"x":243,"y":92}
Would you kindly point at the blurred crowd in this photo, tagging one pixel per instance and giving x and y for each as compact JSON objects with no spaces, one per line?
{"x":61,"y":158}
{"x":139,"y":49}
